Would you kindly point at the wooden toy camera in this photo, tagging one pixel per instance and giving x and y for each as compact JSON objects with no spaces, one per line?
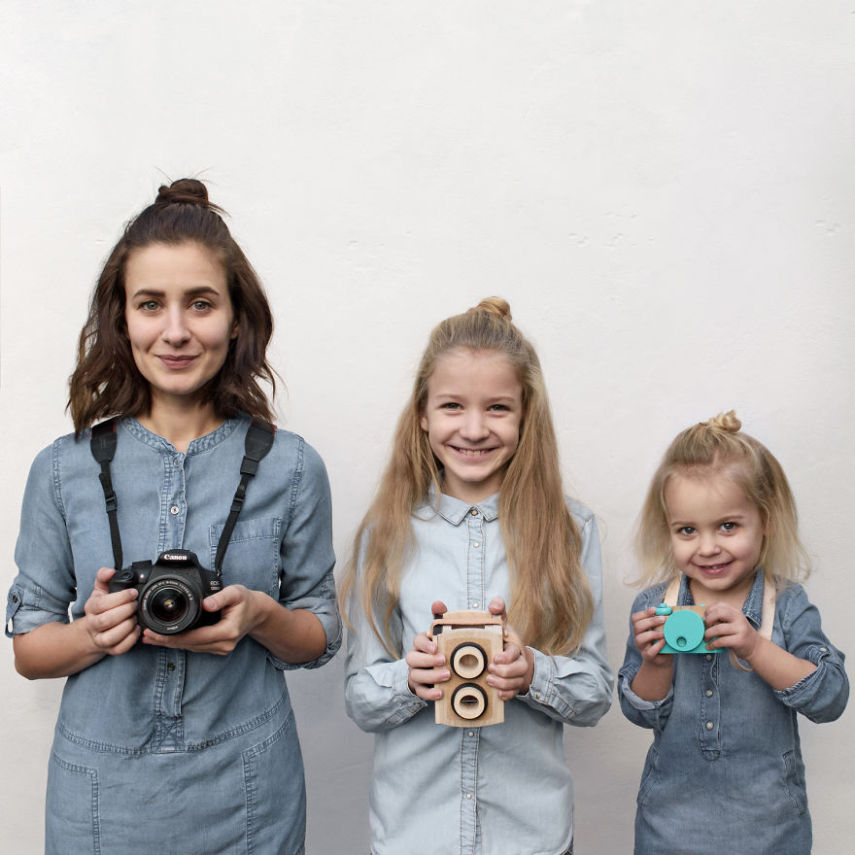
{"x":468,"y":640}
{"x":684,"y":629}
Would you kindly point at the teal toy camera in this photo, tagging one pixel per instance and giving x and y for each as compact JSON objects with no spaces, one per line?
{"x":684,"y":629}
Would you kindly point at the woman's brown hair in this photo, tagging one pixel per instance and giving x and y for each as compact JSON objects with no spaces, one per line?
{"x":106,"y":380}
{"x":551,"y":604}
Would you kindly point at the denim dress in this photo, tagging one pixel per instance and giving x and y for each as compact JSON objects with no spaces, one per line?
{"x":725,"y":770}
{"x":499,"y":790}
{"x":162,"y":750}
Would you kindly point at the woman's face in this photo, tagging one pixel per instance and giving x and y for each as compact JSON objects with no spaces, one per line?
{"x":179,"y":318}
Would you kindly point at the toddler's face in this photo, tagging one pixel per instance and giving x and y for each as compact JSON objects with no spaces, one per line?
{"x":716,"y":533}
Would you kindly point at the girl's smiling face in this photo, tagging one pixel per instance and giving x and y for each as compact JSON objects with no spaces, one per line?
{"x":716,"y":533}
{"x":179,"y":318}
{"x":472,"y":417}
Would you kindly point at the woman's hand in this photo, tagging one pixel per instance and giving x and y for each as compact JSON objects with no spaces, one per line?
{"x":512,"y":669}
{"x":427,"y":667}
{"x":240,"y":615}
{"x":111,"y":619}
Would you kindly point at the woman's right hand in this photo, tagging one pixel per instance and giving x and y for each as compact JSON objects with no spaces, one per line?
{"x":111,"y":619}
{"x":427,"y":666}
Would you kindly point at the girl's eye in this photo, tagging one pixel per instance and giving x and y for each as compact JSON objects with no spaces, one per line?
{"x":728,"y":526}
{"x":500,"y":407}
{"x":450,"y":405}
{"x":686,"y":530}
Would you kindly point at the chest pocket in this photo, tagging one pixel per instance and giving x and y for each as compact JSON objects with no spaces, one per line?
{"x":252,"y":558}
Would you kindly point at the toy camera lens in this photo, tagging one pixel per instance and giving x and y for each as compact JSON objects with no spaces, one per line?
{"x":469,"y":701}
{"x":168,"y":605}
{"x":468,"y":661}
{"x":684,"y":630}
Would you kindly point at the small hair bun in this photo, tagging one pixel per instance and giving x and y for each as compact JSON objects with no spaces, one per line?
{"x":494,"y":306}
{"x":725,"y":421}
{"x":187,"y":191}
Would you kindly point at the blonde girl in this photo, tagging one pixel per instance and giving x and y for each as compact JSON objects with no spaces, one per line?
{"x":725,"y":770}
{"x":470,"y":514}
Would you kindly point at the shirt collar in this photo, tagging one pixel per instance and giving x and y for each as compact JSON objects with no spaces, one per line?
{"x":752,"y":608}
{"x":197,"y":446}
{"x":454,"y":511}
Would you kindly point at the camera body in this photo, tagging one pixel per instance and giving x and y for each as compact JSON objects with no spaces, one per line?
{"x":684,"y":629}
{"x":171,"y":591}
{"x":468,"y":640}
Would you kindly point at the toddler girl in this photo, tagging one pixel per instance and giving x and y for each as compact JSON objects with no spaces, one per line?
{"x":470,"y":515}
{"x":725,"y":771}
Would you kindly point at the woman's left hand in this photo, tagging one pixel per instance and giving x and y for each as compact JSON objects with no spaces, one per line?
{"x":239,"y":617}
{"x":511,"y":670}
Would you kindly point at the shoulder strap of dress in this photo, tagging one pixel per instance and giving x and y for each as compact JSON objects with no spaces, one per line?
{"x":102,"y":444}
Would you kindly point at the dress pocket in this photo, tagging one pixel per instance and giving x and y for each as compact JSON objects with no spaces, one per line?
{"x":252,"y":556}
{"x":275,"y":793}
{"x":794,"y":780}
{"x":648,"y":775}
{"x":71,"y":809}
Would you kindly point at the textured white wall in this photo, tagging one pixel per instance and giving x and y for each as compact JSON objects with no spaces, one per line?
{"x":663,"y":191}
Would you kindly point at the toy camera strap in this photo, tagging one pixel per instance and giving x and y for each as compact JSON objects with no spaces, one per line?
{"x":767,"y":620}
{"x":259,"y":440}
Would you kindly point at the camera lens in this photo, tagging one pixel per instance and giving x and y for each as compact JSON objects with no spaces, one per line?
{"x":168,"y":605}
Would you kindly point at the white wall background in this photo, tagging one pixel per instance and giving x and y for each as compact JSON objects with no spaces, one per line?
{"x":662,"y":190}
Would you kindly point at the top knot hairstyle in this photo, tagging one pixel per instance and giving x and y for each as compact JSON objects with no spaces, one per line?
{"x":106,"y":380}
{"x":551,"y":603}
{"x":719,"y":447}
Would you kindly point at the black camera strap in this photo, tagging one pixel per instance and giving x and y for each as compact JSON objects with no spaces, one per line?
{"x":259,"y":440}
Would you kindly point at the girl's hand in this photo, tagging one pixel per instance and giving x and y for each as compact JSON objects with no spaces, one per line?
{"x":111,"y":619}
{"x":511,"y":670}
{"x":427,"y":667}
{"x":728,"y":627}
{"x":240,"y":615}
{"x":649,"y":636}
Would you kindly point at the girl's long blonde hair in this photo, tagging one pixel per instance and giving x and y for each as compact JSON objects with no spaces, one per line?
{"x":718,"y":446}
{"x":551,"y":604}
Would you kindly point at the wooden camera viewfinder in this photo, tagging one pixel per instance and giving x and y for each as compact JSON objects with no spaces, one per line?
{"x":468,"y":640}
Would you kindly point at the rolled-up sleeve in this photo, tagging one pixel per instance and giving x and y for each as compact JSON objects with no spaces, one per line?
{"x":45,"y":585}
{"x":650,"y":714}
{"x":306,"y":554}
{"x":377,"y":695}
{"x":577,"y":689}
{"x":822,"y":695}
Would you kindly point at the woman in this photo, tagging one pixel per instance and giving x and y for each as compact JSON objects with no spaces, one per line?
{"x":169,"y":740}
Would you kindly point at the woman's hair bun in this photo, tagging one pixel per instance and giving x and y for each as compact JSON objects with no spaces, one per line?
{"x":725,"y":422}
{"x":494,"y":306}
{"x":187,"y":191}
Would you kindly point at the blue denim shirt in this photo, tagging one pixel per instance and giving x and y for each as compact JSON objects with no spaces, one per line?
{"x":160,"y":701}
{"x":503,"y":789}
{"x":725,"y":771}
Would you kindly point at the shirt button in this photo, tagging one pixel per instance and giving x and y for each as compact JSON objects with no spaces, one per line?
{"x":823,"y":650}
{"x":475,"y":605}
{"x":537,"y":695}
{"x":471,"y":733}
{"x":708,"y":693}
{"x":475,"y":545}
{"x":175,"y":510}
{"x":170,"y":666}
{"x":710,"y":725}
{"x":469,"y":795}
{"x":474,"y":513}
{"x":709,"y":657}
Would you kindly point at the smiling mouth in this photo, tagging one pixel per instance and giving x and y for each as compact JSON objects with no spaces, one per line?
{"x":471,"y":452}
{"x":713,"y":568}
{"x":176,"y":361}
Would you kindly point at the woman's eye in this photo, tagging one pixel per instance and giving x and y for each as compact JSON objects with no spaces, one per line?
{"x":201,"y":305}
{"x":148,"y":305}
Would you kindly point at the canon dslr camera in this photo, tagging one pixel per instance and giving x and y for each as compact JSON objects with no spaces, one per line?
{"x":171,"y":591}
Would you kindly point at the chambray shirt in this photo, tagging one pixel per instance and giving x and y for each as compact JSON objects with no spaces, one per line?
{"x":155,"y":701}
{"x":725,"y":771}
{"x":498,"y":790}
